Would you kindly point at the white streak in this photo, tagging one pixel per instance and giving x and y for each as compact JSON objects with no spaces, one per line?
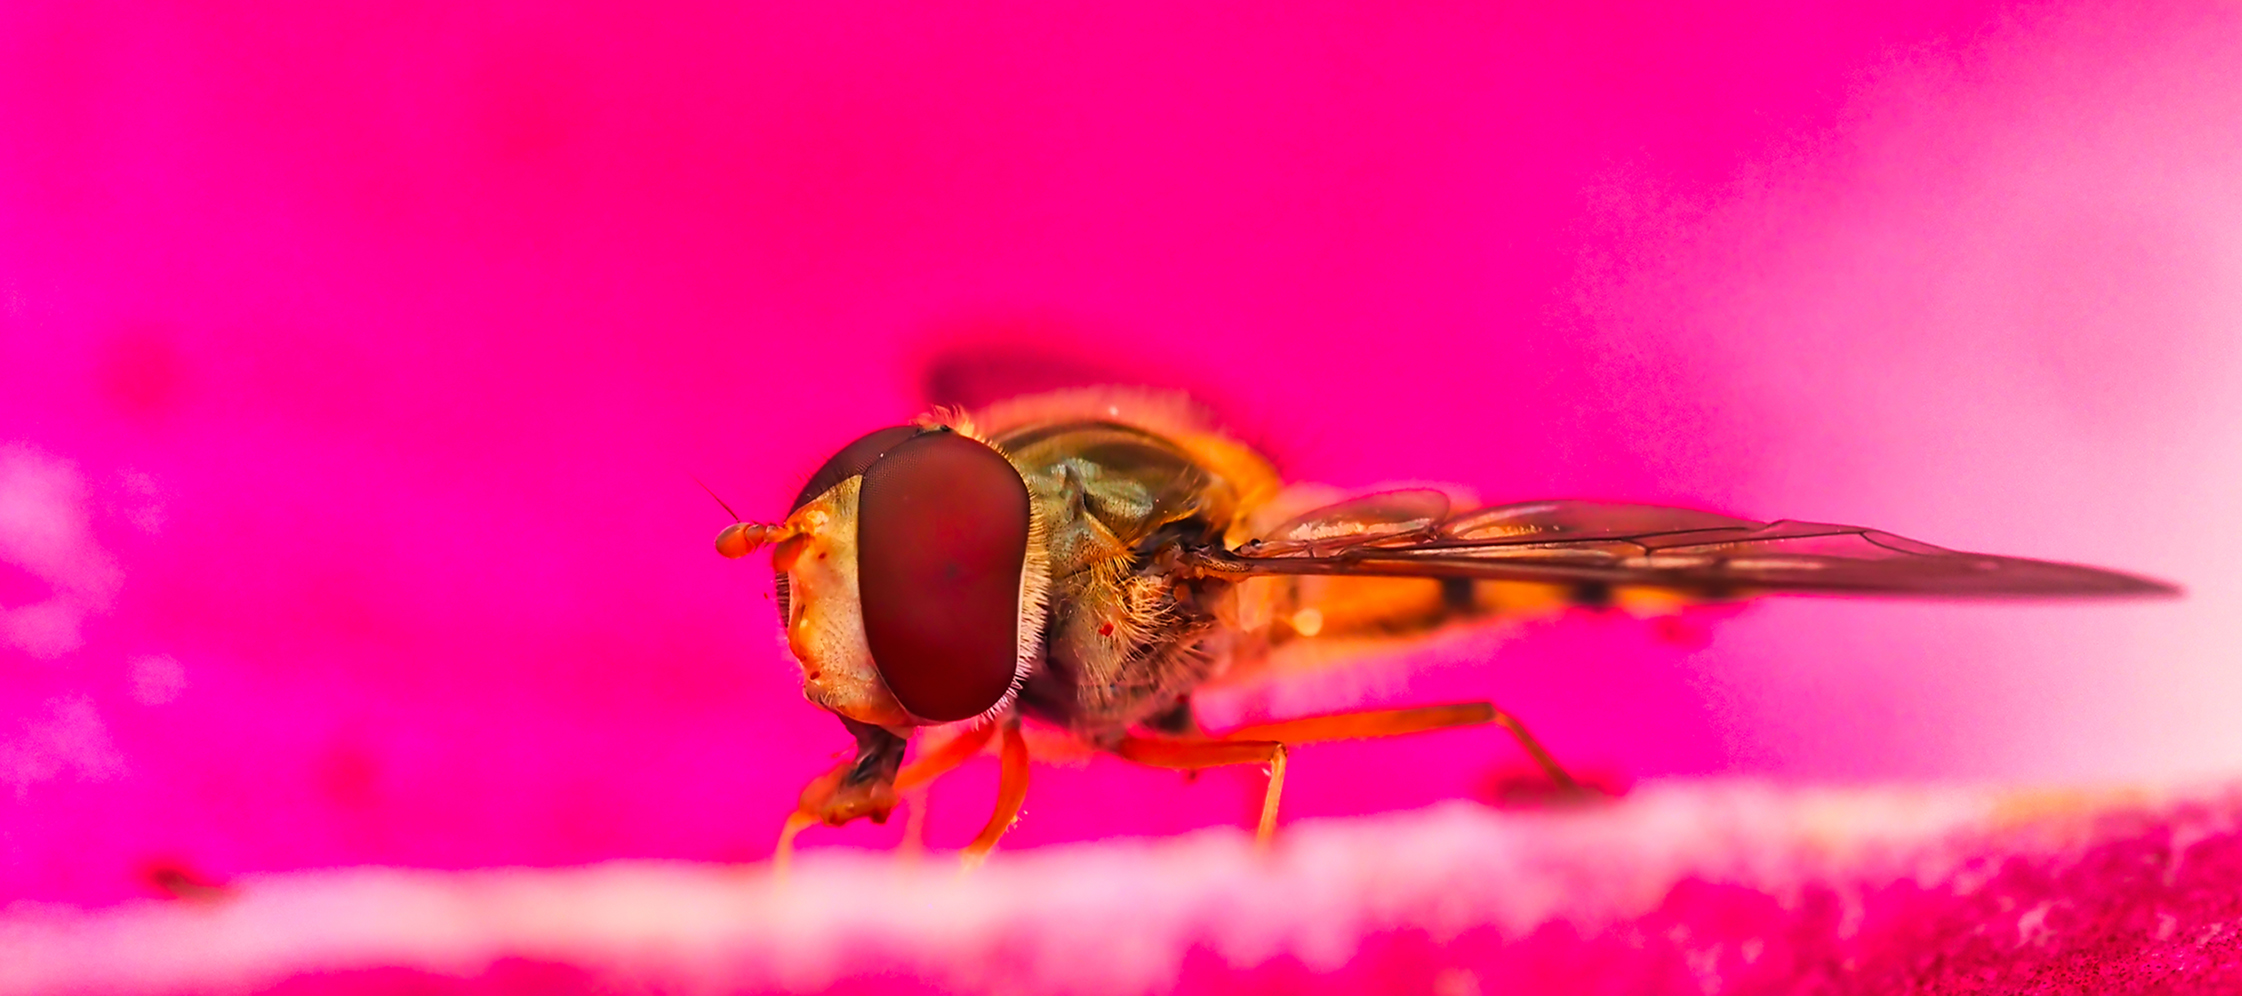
{"x":1116,"y":917}
{"x":70,"y":739}
{"x":44,"y":530}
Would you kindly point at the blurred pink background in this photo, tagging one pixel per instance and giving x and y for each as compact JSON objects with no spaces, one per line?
{"x":356,"y":367}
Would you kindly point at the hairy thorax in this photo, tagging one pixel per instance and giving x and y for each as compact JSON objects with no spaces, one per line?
{"x":1123,"y":638}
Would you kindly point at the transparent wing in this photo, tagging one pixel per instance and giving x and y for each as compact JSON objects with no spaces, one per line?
{"x":1412,"y":534}
{"x":1392,"y":518}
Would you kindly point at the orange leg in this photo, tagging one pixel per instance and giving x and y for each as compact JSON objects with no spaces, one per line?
{"x":1191,"y":755}
{"x":1012,"y":790}
{"x":782,"y":857}
{"x":914,"y":825}
{"x":1533,"y":747}
{"x":864,"y":787}
{"x":1266,"y":830}
{"x":817,"y":796}
{"x":911,"y":781}
{"x":1393,"y":722}
{"x":835,"y":797}
{"x":1265,"y":743}
{"x":942,"y":760}
{"x":1366,"y":725}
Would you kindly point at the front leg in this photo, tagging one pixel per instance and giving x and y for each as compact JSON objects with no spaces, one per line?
{"x":1012,"y":790}
{"x":861,"y":788}
{"x":864,"y":787}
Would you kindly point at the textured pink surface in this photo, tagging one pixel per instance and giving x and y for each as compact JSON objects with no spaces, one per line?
{"x":355,"y":365}
{"x":1693,"y":887}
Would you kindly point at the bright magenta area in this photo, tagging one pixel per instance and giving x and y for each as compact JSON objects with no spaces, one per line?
{"x":357,"y":365}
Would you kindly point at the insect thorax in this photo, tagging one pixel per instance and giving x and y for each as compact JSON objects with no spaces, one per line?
{"x":1121,"y":640}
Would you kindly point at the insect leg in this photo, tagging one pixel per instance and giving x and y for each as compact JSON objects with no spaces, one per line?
{"x":1393,"y":722}
{"x":864,"y":787}
{"x":913,"y":843}
{"x":1557,"y":773}
{"x":782,"y":856}
{"x":1012,"y":789}
{"x":1366,"y":725}
{"x":1267,"y":830}
{"x":1191,"y":755}
{"x":943,"y":759}
{"x":912,"y":779}
{"x":807,"y":813}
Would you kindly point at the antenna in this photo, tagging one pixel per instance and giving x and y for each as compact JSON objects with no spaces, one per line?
{"x":719,"y":501}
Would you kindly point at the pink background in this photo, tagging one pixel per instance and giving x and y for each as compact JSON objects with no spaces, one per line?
{"x":355,"y":369}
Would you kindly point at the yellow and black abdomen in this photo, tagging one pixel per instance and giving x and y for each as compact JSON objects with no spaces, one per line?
{"x":1278,"y":625}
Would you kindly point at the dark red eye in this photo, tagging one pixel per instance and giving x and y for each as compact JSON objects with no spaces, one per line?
{"x":841,"y":466}
{"x":941,"y":539}
{"x":852,"y":460}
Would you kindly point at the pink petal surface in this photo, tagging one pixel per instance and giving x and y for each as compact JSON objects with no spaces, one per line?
{"x":356,"y":366}
{"x":1705,"y":887}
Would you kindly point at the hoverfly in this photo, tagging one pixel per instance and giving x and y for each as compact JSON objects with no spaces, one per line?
{"x":1087,"y":558}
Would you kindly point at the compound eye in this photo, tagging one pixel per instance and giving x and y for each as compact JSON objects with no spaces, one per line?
{"x":841,"y":466}
{"x":851,"y":461}
{"x":941,"y":540}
